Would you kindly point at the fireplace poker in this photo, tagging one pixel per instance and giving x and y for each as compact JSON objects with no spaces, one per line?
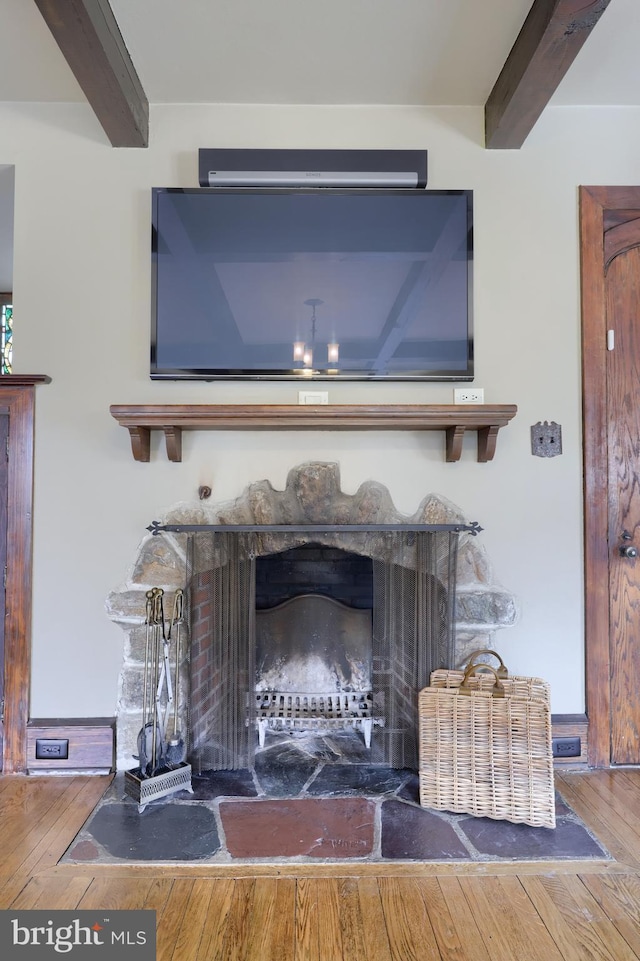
{"x":175,"y":749}
{"x":144,"y":735}
{"x":164,"y":690}
{"x":158,"y":630}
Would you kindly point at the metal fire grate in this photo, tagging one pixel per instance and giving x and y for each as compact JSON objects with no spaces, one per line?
{"x":285,"y":711}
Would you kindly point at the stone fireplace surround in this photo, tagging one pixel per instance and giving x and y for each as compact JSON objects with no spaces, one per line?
{"x":312,"y":495}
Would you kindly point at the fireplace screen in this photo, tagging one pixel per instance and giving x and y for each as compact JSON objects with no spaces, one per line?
{"x":312,"y":661}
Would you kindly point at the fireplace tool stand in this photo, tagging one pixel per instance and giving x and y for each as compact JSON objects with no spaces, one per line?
{"x":157,"y":776}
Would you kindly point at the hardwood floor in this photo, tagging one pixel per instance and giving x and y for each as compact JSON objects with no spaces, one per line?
{"x":529,"y":911}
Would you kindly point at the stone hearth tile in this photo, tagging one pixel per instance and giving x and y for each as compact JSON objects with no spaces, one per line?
{"x":411,"y":833}
{"x":214,"y":784}
{"x":323,"y":745}
{"x":283,"y":771}
{"x":336,"y":779}
{"x":410,"y":790}
{"x":162,"y":832}
{"x":307,"y":742}
{"x":502,"y":839}
{"x":350,"y":746}
{"x":83,"y":851}
{"x":317,"y":828}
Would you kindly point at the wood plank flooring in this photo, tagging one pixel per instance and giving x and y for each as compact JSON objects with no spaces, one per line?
{"x":529,"y":911}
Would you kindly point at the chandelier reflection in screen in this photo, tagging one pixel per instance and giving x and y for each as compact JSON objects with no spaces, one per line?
{"x":303,"y":352}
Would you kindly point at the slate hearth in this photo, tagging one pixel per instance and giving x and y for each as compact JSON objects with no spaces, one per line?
{"x":311,"y":800}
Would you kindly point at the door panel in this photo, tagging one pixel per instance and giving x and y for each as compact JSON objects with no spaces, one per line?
{"x":4,"y":446}
{"x":623,"y":405}
{"x":610,"y":290}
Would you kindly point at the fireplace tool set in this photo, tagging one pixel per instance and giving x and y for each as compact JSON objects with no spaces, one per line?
{"x":162,"y":768}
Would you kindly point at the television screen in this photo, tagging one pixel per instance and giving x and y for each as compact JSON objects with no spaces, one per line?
{"x":319,"y":284}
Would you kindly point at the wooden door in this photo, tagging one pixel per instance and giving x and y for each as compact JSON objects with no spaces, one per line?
{"x":622,"y":284}
{"x":610,"y":248}
{"x":17,"y":404}
{"x":4,"y":463}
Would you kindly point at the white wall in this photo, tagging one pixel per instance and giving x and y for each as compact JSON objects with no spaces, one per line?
{"x":6,"y":227}
{"x":81,"y":286}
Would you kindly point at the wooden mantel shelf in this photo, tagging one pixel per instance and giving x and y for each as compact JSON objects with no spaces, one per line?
{"x":23,"y":380}
{"x":454,"y":419}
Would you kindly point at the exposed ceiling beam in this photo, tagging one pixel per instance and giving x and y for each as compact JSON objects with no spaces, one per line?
{"x":88,"y":35}
{"x":547,"y":45}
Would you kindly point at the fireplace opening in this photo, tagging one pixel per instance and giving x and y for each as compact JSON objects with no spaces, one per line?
{"x":314,"y":634}
{"x":335,"y":632}
{"x":265,"y":543}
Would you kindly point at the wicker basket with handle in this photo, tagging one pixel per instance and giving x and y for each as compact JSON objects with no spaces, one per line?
{"x":485,"y":745}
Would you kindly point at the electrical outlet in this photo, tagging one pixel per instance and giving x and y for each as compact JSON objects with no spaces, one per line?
{"x":468,"y":395}
{"x":566,"y":747}
{"x":52,"y":747}
{"x":313,"y":397}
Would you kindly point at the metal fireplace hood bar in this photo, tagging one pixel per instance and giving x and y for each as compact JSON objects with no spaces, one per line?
{"x":156,"y":527}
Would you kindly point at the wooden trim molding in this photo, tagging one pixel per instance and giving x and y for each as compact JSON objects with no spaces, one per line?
{"x":90,"y":745}
{"x":17,"y":400}
{"x":453,"y":419}
{"x":596,"y":551}
{"x":572,"y":725}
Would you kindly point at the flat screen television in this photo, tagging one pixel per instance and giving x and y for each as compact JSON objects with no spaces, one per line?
{"x":312,"y":284}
